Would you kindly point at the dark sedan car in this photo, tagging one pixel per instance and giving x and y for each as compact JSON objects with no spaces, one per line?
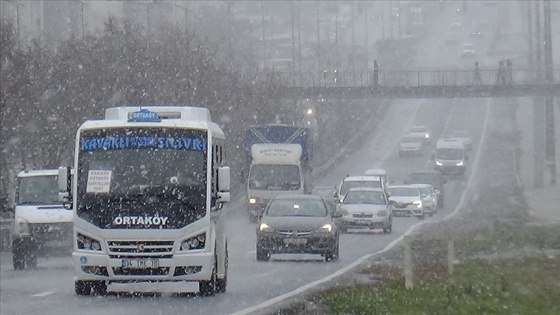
{"x":298,"y":224}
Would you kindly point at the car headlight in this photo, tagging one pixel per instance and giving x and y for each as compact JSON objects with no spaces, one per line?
{"x":382,"y":213}
{"x":438,"y":163}
{"x":460,"y":163}
{"x":22,"y":226}
{"x":195,"y":242}
{"x":418,"y":203}
{"x":87,"y":243}
{"x":427,"y":136}
{"x":265,"y":228}
{"x":327,"y":228}
{"x":252,"y":200}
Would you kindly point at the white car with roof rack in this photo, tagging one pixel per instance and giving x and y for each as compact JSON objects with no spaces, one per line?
{"x":358,"y":181}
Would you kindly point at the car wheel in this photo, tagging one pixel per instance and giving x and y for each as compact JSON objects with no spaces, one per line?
{"x":262,"y":254}
{"x":332,"y":255}
{"x":82,"y":287}
{"x":389,"y":228}
{"x":221,"y":284}
{"x":18,"y":256}
{"x":208,"y":288}
{"x":253,"y":218}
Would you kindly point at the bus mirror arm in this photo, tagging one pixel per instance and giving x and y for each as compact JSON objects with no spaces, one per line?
{"x":65,"y":186}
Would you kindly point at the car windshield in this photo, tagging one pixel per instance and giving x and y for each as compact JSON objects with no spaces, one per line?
{"x":424,"y":191}
{"x":38,"y":190}
{"x":449,"y":154}
{"x":460,"y":134}
{"x":418,"y":129}
{"x":365,"y":197}
{"x":410,"y":140}
{"x":274,"y":177}
{"x":297,"y":208}
{"x":347,"y":184}
{"x":403,"y":191}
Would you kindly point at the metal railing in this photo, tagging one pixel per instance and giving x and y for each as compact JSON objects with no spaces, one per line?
{"x":410,"y":78}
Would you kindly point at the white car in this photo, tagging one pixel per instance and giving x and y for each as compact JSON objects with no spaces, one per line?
{"x":421,"y":132}
{"x":464,"y":136}
{"x":405,"y":200}
{"x":410,"y":145}
{"x":365,"y":208}
{"x":468,"y":51}
{"x":429,"y":198}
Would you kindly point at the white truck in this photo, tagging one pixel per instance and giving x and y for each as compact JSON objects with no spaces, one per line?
{"x":278,"y":161}
{"x":275,"y":170}
{"x":147,"y":193}
{"x":42,"y":225}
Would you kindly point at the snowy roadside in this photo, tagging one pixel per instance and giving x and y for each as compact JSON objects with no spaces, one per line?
{"x":543,"y":203}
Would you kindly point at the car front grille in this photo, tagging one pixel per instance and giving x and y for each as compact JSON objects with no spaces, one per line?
{"x":149,"y":249}
{"x":294,"y":233}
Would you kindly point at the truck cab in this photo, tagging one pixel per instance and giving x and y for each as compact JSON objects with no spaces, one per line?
{"x":278,"y":163}
{"x":42,"y":225}
{"x":275,"y":170}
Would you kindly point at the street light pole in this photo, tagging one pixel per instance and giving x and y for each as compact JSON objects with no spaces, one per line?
{"x":367,"y":48}
{"x":549,"y":107}
{"x":263,"y":38}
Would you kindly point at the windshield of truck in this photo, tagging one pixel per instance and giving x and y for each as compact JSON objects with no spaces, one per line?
{"x":347,"y":184}
{"x":365,"y":197}
{"x":449,"y":154}
{"x":274,"y":177}
{"x":411,"y":139}
{"x":38,"y":190}
{"x":127,"y":174}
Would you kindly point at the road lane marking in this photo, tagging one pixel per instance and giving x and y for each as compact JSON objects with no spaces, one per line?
{"x":360,"y":260}
{"x":473,"y":168}
{"x":46,"y":293}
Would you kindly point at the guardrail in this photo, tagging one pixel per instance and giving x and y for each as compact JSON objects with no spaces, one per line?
{"x":410,"y":78}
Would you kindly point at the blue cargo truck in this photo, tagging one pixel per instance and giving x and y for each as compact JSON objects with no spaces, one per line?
{"x":279,"y":162}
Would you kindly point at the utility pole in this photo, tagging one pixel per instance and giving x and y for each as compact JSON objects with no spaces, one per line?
{"x":549,"y":107}
{"x":318,"y":37}
{"x":230,"y":50}
{"x":538,"y":109}
{"x":293,"y":38}
{"x":530,"y":33}
{"x":367,"y":48}
{"x":353,"y":49}
{"x":263,"y":39}
{"x":337,"y":63}
{"x":299,"y":37}
{"x":383,"y":19}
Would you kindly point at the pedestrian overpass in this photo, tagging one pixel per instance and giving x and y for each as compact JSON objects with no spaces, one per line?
{"x":460,"y":83}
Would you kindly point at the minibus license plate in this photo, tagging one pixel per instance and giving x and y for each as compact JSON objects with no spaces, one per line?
{"x":140,"y":263}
